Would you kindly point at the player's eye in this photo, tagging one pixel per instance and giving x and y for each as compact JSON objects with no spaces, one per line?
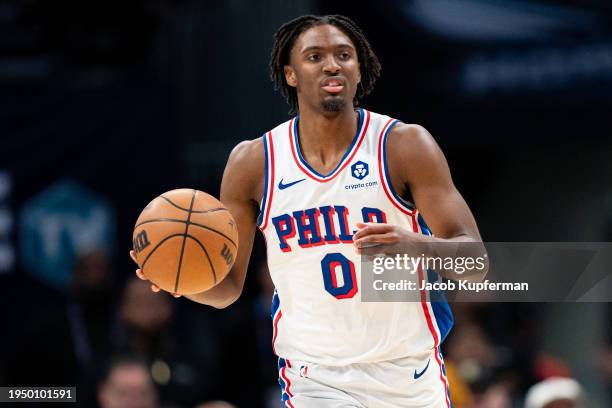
{"x":314,"y":57}
{"x":345,"y":55}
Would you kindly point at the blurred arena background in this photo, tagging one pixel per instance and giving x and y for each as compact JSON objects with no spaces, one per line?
{"x":106,"y":104}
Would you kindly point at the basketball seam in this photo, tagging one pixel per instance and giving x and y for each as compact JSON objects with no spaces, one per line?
{"x":193,"y":211}
{"x":178,"y":271}
{"x":212,"y":267}
{"x":179,"y":235}
{"x":157,"y":246}
{"x":189,"y":223}
{"x":207,"y":211}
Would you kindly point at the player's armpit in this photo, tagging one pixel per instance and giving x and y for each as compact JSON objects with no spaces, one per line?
{"x":241,"y":188}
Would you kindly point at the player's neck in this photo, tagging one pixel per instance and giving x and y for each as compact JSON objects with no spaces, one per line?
{"x":325,"y":138}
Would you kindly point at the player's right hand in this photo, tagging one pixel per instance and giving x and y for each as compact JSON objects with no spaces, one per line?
{"x":141,"y":275}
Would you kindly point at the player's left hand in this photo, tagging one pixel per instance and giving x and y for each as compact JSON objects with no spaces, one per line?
{"x":374,"y":239}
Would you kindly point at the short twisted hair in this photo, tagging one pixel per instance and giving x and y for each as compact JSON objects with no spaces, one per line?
{"x":284,"y":40}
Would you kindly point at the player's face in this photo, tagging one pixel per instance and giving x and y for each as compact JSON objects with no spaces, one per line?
{"x":324,"y":69}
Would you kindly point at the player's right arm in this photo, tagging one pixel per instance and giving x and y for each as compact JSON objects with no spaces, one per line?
{"x":241,"y":189}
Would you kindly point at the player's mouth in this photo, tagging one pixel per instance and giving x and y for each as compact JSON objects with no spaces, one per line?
{"x":333,"y":85}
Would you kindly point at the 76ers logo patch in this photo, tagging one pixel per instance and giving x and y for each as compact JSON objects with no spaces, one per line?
{"x":360,"y":170}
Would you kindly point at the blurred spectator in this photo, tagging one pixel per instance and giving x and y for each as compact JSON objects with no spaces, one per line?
{"x":471,"y":352}
{"x":555,"y":392}
{"x":546,"y":366}
{"x":75,"y":333}
{"x":90,"y":307}
{"x":145,"y":330}
{"x":126,"y":383}
{"x":487,"y":364}
{"x":144,"y":317}
{"x":146,"y":327}
{"x":461,"y":395}
{"x":495,"y":396}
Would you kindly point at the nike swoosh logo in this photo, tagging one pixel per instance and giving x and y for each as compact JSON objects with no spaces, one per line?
{"x":282,"y":186}
{"x":418,"y":375}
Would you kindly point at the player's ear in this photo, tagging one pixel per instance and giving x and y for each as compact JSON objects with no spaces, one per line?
{"x":290,"y":76}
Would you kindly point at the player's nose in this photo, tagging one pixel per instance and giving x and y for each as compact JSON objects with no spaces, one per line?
{"x":331,"y":66}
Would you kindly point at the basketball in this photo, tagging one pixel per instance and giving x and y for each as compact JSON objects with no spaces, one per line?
{"x":185,"y":241}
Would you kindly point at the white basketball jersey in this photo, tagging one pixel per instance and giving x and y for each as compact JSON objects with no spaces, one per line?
{"x":308,"y":220}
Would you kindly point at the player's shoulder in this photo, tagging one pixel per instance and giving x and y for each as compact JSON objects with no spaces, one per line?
{"x":410,"y":138}
{"x":248,"y":150}
{"x":246,"y":161}
{"x":410,"y":133}
{"x":401,"y":133}
{"x":411,"y":149}
{"x":253,"y":151}
{"x":244,"y":171}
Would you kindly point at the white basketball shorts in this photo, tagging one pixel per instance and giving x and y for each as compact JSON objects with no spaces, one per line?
{"x":413,"y":382}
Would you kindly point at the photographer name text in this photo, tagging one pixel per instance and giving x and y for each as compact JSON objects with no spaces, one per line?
{"x":462,"y":285}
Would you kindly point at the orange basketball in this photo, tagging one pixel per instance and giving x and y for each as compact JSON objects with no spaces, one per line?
{"x":185,"y":241}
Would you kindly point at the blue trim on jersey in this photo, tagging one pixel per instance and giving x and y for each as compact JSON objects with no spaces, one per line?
{"x":281,"y":361}
{"x":441,"y":310}
{"x":346,"y":154}
{"x":440,"y":307}
{"x":405,"y":203}
{"x":275,"y":304}
{"x":281,"y":364}
{"x":443,"y":313}
{"x":262,"y":211}
{"x":423,"y":225}
{"x":444,"y":372}
{"x":442,"y":360}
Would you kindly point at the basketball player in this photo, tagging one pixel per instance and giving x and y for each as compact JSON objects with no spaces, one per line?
{"x":319,"y":187}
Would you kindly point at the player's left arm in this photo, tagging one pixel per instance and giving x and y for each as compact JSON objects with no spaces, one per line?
{"x":417,"y":165}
